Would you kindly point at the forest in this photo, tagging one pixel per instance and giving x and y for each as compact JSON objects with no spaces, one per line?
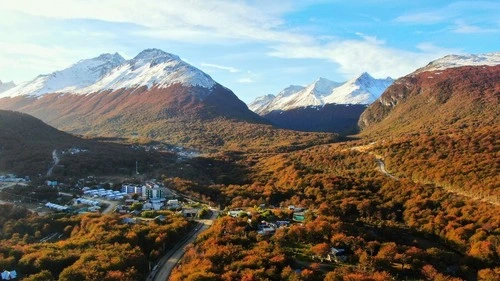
{"x":84,"y":247}
{"x":392,"y":228}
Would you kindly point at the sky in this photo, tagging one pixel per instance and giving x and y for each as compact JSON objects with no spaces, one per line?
{"x":254,"y":48}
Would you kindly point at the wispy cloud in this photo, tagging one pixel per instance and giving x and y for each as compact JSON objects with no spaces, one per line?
{"x":429,"y":17}
{"x":464,"y":28}
{"x":222,"y":67}
{"x":454,"y":11}
{"x":245,"y":80}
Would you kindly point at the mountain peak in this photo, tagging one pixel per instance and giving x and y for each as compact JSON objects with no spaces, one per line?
{"x":364,"y":76}
{"x":116,"y":58}
{"x":155,"y":55}
{"x":6,"y":86}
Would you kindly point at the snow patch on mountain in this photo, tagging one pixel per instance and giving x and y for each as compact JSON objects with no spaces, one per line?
{"x":6,"y":86}
{"x":150,"y":68}
{"x":363,"y":89}
{"x":451,"y":61}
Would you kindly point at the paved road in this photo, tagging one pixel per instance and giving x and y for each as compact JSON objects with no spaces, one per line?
{"x":56,"y":161}
{"x":172,"y":258}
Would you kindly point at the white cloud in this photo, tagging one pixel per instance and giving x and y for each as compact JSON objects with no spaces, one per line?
{"x":357,"y":56}
{"x":430,"y":17}
{"x":245,"y":80}
{"x":464,"y":28}
{"x":222,"y":67}
{"x":177,"y":19}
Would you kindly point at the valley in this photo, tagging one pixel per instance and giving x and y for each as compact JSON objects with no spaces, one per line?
{"x":187,"y":183}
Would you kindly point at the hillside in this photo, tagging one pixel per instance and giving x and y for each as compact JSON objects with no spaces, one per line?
{"x":26,"y":146}
{"x":452,"y":98}
{"x":441,"y":127}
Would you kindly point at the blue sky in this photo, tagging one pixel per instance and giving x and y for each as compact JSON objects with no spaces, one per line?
{"x":252,"y":47}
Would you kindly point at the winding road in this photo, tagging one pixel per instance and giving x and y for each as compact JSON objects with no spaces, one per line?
{"x":162,"y":271}
{"x":56,"y":161}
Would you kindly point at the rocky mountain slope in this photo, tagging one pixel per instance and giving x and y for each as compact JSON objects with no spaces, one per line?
{"x":445,"y":98}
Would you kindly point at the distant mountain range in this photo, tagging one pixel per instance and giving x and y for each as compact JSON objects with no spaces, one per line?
{"x":363,"y":89}
{"x":323,"y":105}
{"x":154,"y":96}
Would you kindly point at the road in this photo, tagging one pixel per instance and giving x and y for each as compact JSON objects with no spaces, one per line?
{"x":172,"y":258}
{"x":381,"y":166}
{"x":492,"y":199}
{"x":56,"y":161}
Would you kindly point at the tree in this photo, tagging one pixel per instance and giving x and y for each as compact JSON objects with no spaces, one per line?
{"x":321,"y":249}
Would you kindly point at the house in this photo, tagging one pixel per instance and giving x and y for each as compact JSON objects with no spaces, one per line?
{"x":337,"y":255}
{"x":299,"y":217}
{"x":9,"y":275}
{"x":173,"y":204}
{"x":129,"y":221}
{"x":236,"y":213}
{"x":52,"y":183}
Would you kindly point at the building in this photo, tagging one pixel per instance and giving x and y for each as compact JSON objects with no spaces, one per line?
{"x":131,"y":188}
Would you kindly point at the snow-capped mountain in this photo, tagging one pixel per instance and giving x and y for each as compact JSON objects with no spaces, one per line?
{"x":452,"y":61}
{"x":150,"y":68}
{"x":154,"y":95}
{"x":363,"y":89}
{"x":78,"y":76}
{"x":6,"y":86}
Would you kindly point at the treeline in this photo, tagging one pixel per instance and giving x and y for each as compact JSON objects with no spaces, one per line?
{"x":84,"y":247}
